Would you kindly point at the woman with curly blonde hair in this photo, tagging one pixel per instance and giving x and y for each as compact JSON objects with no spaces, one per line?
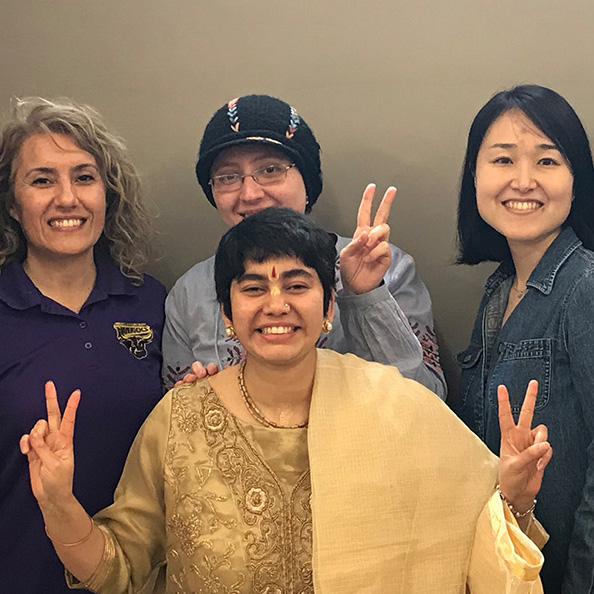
{"x":128,"y":229}
{"x":75,"y":306}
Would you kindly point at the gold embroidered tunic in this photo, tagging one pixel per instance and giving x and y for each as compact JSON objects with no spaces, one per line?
{"x":225,"y":503}
{"x":401,"y":498}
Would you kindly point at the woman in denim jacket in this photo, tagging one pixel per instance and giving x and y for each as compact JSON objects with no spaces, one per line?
{"x":527,"y":201}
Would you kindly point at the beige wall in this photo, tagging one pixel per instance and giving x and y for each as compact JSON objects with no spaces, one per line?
{"x":389,"y":88}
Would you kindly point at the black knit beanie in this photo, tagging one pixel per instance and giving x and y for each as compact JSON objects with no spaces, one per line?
{"x":256,"y":119}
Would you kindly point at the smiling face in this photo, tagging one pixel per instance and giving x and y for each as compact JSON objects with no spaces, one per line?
{"x":278,"y":310}
{"x":59,"y":197}
{"x":524,"y":185}
{"x":251,"y":197}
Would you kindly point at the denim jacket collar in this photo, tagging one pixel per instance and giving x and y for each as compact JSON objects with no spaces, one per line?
{"x":543,"y":276}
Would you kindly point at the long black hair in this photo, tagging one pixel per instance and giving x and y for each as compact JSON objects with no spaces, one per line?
{"x":556,"y":119}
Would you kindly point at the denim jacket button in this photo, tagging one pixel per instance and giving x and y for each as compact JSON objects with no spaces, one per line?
{"x":467,"y":358}
{"x":492,"y":324}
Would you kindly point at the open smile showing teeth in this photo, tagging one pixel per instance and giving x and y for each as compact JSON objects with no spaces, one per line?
{"x":244,"y":215}
{"x":277,"y":330}
{"x":64,"y":223}
{"x":522,"y":205}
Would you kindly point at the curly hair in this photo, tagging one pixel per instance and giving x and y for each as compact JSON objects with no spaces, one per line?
{"x":128,"y":228}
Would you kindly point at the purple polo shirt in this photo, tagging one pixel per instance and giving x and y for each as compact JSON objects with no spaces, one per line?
{"x":111,"y":350}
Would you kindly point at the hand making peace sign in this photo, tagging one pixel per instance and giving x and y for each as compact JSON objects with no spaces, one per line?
{"x":365,"y":260}
{"x":524,"y":453}
{"x":49,"y":449}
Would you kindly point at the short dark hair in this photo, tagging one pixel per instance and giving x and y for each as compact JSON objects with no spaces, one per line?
{"x":556,"y":119}
{"x":274,"y":232}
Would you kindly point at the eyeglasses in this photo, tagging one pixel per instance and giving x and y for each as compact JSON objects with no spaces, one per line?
{"x":265,"y":176}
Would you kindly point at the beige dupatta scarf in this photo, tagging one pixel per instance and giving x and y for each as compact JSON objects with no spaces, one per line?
{"x":402,"y":492}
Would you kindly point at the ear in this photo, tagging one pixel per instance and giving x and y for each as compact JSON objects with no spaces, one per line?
{"x":330,"y":315}
{"x":14,"y":212}
{"x":226,"y":320}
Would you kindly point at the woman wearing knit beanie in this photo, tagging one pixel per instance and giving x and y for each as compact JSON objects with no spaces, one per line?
{"x":257,"y":151}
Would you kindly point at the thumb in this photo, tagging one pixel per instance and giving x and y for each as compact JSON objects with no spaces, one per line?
{"x":531,"y":454}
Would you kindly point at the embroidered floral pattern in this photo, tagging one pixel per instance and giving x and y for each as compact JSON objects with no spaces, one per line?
{"x":214,"y":419}
{"x":234,"y":352}
{"x":232,"y":528}
{"x":188,"y":531}
{"x":188,"y":421}
{"x":256,"y":500}
{"x":428,"y":342}
{"x":175,"y":374}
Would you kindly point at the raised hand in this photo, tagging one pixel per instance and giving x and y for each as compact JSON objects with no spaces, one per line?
{"x":199,"y":371}
{"x":524,"y":453}
{"x":364,"y":261}
{"x":49,"y":449}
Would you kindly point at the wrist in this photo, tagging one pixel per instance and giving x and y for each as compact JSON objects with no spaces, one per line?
{"x":350,"y":290}
{"x":59,"y":510}
{"x":519,"y":508}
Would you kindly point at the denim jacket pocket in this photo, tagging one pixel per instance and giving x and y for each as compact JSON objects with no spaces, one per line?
{"x":517,"y":364}
{"x":470,"y":363}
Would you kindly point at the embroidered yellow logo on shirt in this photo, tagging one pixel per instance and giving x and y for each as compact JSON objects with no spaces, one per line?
{"x":135,"y":337}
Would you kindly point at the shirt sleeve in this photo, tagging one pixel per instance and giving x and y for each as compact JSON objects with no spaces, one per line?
{"x":177,"y":347}
{"x":503,"y":558}
{"x":579,"y":573}
{"x":134,"y":526}
{"x":393,"y":324}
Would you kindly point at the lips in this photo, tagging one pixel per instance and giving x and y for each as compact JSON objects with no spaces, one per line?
{"x":66,"y":223}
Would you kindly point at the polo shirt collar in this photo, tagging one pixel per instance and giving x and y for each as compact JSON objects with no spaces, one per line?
{"x":109,"y":281}
{"x":18,"y":291}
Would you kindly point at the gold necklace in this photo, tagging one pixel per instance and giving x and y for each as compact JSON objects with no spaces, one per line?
{"x":519,"y":293}
{"x":253,"y":409}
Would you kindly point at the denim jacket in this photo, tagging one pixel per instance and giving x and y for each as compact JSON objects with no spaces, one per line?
{"x":548,"y":337}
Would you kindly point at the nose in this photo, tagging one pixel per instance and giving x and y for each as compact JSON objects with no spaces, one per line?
{"x":250,"y":190}
{"x":276,"y":304}
{"x":65,"y":196}
{"x":523,"y":179}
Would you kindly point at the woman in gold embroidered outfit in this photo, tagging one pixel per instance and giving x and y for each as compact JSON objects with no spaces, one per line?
{"x":301,"y":470}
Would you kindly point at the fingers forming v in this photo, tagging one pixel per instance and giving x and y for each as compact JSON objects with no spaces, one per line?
{"x":67,"y":425}
{"x":506,"y":421}
{"x":54,"y":417}
{"x":527,"y":411}
{"x":383,"y":211}
{"x":364,"y":212}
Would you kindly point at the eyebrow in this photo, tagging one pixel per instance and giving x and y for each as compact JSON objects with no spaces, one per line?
{"x":286,"y":275}
{"x":296,"y":273}
{"x":76,"y":168}
{"x":510,"y":145}
{"x":232,"y":163}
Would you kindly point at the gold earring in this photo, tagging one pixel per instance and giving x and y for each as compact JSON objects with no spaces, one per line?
{"x":326,"y":326}
{"x":229,"y":331}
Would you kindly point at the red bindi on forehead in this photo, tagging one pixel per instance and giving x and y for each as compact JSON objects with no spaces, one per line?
{"x":273,"y":275}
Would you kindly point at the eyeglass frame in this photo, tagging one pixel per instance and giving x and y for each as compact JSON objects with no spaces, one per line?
{"x":253,"y":175}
